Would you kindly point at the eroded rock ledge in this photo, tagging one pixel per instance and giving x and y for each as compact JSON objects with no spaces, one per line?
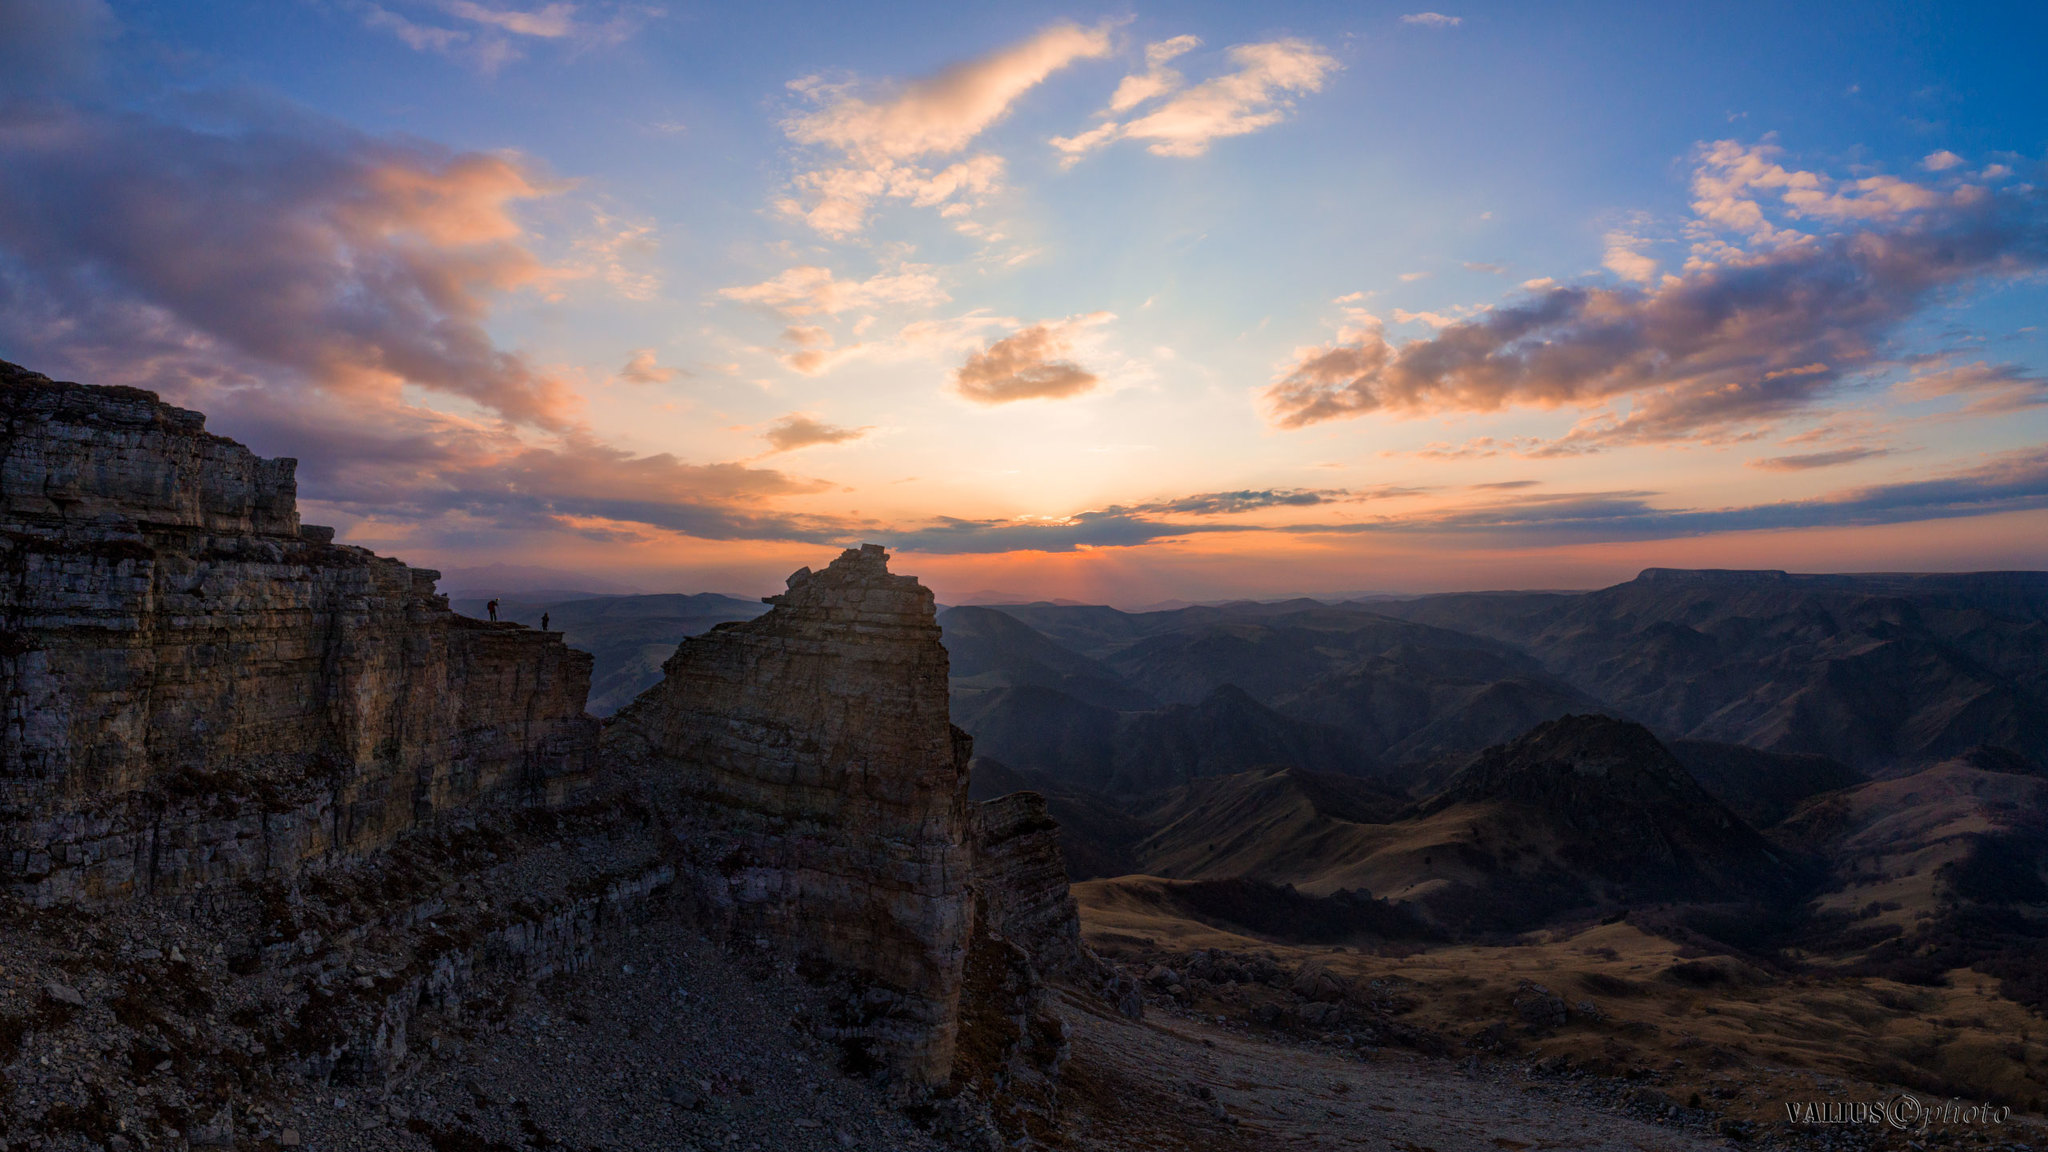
{"x":199,"y":689}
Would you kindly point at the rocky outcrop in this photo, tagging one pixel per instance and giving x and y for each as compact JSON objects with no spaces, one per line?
{"x":198,"y":688}
{"x":1021,"y":882}
{"x":820,"y":793}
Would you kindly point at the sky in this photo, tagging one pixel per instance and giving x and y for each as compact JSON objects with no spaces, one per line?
{"x":1118,"y":304}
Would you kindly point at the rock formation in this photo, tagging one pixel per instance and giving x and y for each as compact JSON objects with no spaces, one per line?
{"x":366,"y":819}
{"x":198,"y":688}
{"x":1022,"y":882}
{"x":822,"y":792}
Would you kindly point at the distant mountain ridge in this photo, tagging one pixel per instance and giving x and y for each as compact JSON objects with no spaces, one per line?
{"x":1882,"y":672}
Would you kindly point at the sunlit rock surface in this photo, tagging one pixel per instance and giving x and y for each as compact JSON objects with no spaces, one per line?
{"x":197,"y":688}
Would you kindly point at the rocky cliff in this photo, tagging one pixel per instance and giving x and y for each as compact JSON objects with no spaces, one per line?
{"x":197,"y":688}
{"x":821,"y":792}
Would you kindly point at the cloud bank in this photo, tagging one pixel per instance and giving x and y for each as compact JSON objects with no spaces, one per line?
{"x":1743,"y":335}
{"x":362,"y":264}
{"x":2012,"y":482}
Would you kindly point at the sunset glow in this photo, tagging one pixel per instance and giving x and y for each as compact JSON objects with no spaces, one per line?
{"x":1117,"y":305}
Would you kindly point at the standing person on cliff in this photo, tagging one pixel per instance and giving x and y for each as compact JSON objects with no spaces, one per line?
{"x":491,"y":606}
{"x":543,"y":621}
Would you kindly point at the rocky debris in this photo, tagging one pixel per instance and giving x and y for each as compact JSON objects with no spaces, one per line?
{"x":1540,"y":1008}
{"x":159,"y":1020}
{"x":198,"y":689}
{"x":1309,"y":1001}
{"x":1317,"y":983}
{"x":63,"y":994}
{"x":671,"y":1042}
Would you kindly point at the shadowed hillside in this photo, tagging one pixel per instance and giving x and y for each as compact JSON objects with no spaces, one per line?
{"x":1879,"y":672}
{"x":1128,"y":701}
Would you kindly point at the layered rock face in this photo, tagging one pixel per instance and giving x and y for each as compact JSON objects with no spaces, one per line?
{"x":822,"y":792}
{"x":1021,"y":881}
{"x":197,"y":688}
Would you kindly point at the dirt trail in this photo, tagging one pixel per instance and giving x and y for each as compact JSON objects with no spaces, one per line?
{"x":1142,"y":1086}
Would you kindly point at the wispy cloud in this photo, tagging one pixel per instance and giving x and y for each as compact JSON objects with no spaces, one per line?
{"x":1258,"y":93}
{"x":810,"y":290}
{"x":549,"y":22}
{"x":1432,"y":20}
{"x":1987,"y":388}
{"x":489,"y":36}
{"x":1746,"y":333}
{"x":1029,"y":365}
{"x":951,"y":535}
{"x":1625,"y":258}
{"x":1240,"y":501}
{"x":1810,"y":460}
{"x":885,"y":137}
{"x":1157,"y":79}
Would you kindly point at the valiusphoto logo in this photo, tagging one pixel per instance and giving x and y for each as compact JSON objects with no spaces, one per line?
{"x":1905,"y":1112}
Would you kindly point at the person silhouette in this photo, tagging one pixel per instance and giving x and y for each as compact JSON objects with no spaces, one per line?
{"x":491,"y":606}
{"x":543,"y":621}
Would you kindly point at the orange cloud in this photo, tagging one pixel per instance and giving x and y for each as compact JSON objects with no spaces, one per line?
{"x":1028,"y":365}
{"x":643,"y":368}
{"x":798,"y":430}
{"x":1257,"y":95}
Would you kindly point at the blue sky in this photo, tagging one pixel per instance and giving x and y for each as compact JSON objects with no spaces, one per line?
{"x":1116,"y":303}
